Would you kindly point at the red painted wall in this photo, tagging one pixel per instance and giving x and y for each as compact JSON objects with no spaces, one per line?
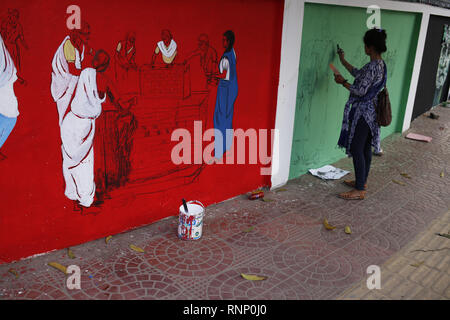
{"x":35,"y":216}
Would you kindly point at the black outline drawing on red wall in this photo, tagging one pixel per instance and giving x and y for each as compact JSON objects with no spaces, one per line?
{"x":144,"y":104}
{"x":12,"y":34}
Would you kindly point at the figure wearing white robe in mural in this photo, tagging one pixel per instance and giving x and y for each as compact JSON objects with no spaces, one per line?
{"x":167,"y":47}
{"x":66,"y":67}
{"x":78,"y":132}
{"x":77,"y":136}
{"x":8,"y":102}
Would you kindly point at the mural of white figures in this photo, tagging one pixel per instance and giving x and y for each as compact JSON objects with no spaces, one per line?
{"x":8,"y":102}
{"x":77,"y":135}
{"x":79,"y":104}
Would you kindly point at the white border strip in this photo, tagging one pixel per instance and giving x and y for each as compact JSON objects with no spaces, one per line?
{"x":387,"y":5}
{"x":290,"y":62}
{"x":287,"y":90}
{"x":416,"y":72}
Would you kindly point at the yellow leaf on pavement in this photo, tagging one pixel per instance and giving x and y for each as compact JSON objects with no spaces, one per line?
{"x":327,"y":225}
{"x":107,"y":239}
{"x":70,"y":254}
{"x":14,"y":272}
{"x":135,"y":248}
{"x":418,"y":264}
{"x":347,"y":230}
{"x":58,"y":266}
{"x":253,"y":277}
{"x":398,"y":182}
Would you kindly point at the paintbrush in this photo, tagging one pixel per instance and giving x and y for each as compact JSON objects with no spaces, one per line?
{"x":335,"y":71}
{"x":185,"y":206}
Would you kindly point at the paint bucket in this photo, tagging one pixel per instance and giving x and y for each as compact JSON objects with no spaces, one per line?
{"x":191,"y":223}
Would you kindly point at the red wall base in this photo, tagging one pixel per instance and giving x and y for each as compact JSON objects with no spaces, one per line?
{"x":35,"y":215}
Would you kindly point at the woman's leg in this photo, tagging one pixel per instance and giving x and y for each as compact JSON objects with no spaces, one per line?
{"x":358,"y":150}
{"x":368,"y":154}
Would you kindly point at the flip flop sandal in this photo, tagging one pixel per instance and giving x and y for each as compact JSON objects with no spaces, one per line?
{"x":351,"y":183}
{"x":348,"y":197}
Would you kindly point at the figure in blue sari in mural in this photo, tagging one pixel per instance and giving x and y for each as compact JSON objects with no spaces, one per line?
{"x":226,"y":96}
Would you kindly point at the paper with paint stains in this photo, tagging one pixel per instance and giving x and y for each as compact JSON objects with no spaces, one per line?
{"x":329,"y":172}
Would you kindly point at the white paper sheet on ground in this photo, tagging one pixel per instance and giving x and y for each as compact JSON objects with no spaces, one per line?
{"x":328,"y":172}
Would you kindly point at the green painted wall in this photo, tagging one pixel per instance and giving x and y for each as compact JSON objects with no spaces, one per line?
{"x":320,"y":101}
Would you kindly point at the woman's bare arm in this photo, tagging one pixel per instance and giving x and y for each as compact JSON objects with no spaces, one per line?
{"x":344,"y":62}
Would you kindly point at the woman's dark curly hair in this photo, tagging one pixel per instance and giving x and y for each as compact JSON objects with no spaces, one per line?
{"x":376,"y":38}
{"x":230,"y":36}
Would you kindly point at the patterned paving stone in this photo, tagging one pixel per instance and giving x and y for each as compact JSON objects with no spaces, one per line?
{"x":297,"y":226}
{"x":188,"y":258}
{"x":230,"y":285}
{"x":295,"y":256}
{"x":372,"y":247}
{"x":336,"y":271}
{"x":383,"y":242}
{"x":418,"y":271}
{"x":428,"y":204}
{"x":43,"y":285}
{"x":402,"y":226}
{"x":233,"y":223}
{"x":253,"y":240}
{"x":127,"y":276}
{"x":282,"y":239}
{"x":274,"y":230}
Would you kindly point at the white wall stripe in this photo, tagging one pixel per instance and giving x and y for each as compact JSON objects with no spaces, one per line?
{"x":287,"y":90}
{"x":416,"y":72}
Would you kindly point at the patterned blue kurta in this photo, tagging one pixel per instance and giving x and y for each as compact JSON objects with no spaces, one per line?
{"x":369,"y":80}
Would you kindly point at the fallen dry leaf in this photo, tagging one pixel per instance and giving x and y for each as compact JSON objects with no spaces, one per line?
{"x":107,"y":239}
{"x":135,"y":248}
{"x":70,"y":254}
{"x":399,"y":182}
{"x":281,"y":190}
{"x":418,"y":264}
{"x":266,"y":200}
{"x":249,"y":229}
{"x":432,"y":250}
{"x":58,"y":266}
{"x":442,"y":174}
{"x":14,"y":272}
{"x":252,"y":277}
{"x":445,"y":235}
{"x":327,"y":225}
{"x":405,"y":175}
{"x":347,"y":230}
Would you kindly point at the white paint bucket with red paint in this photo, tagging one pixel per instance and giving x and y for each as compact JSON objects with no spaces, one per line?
{"x":191,"y":223}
